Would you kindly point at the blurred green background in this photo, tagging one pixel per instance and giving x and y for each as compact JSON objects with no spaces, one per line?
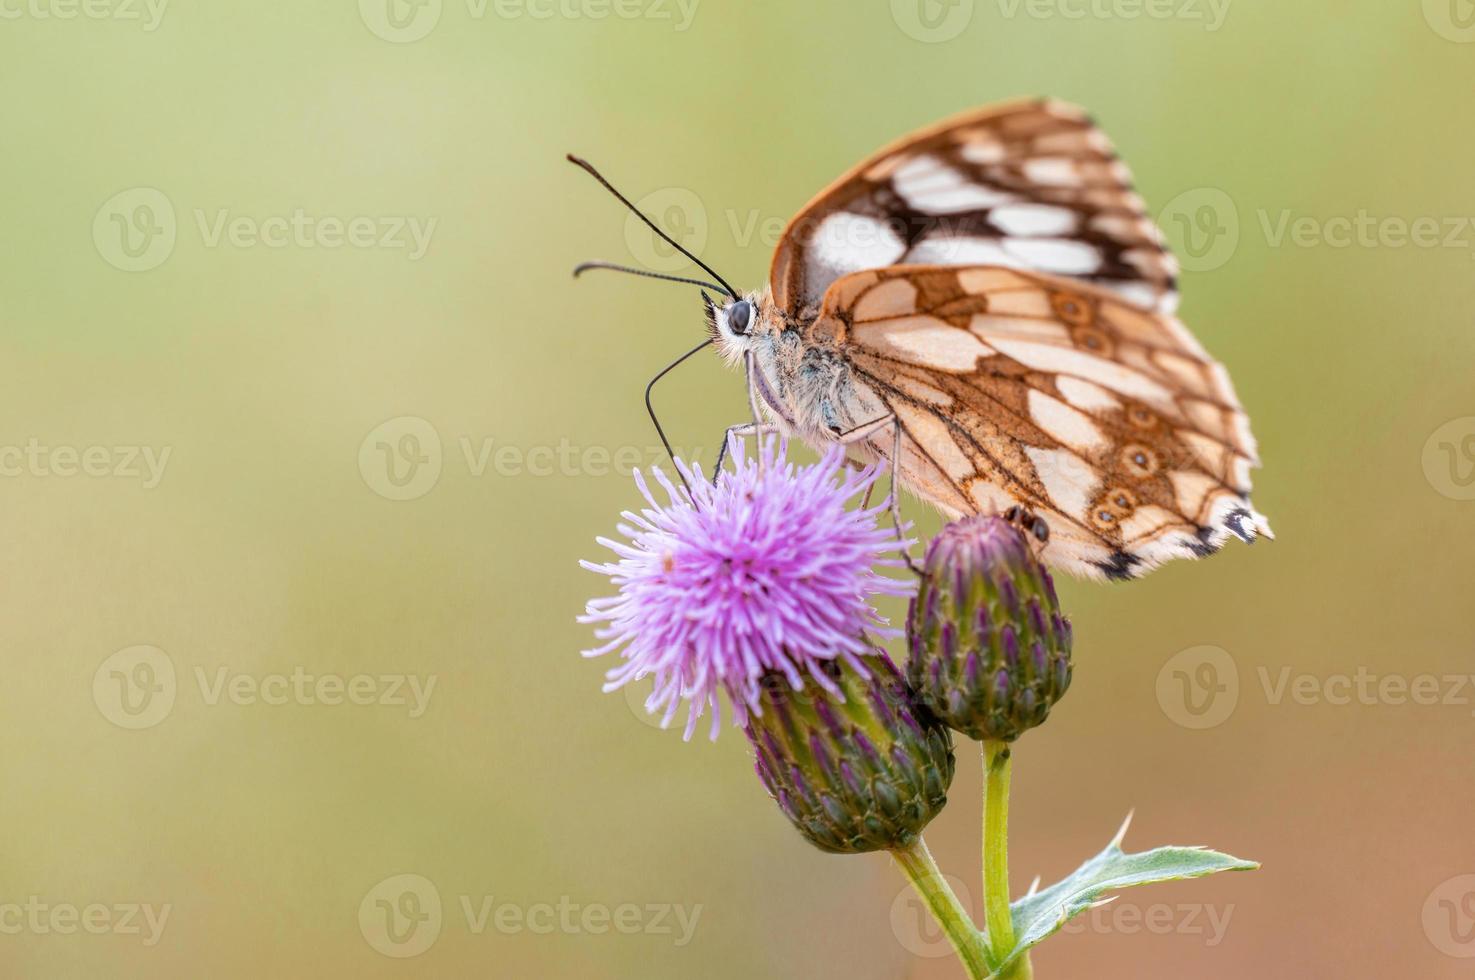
{"x":385,"y":456}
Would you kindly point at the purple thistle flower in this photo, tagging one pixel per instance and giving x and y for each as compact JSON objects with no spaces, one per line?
{"x":986,"y":599}
{"x":768,"y":570}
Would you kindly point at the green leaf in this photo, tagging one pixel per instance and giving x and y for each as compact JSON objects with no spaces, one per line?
{"x":1040,"y":913}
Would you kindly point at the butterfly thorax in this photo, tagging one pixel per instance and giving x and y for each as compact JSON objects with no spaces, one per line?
{"x":802,"y":372}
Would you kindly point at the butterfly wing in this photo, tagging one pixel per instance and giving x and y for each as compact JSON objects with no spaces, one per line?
{"x":1031,"y":185}
{"x":1011,"y":387}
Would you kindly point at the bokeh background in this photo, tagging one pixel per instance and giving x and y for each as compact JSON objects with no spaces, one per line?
{"x":264,"y":448}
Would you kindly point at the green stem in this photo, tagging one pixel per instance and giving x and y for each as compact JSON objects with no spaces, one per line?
{"x":1000,"y":924}
{"x":916,"y":862}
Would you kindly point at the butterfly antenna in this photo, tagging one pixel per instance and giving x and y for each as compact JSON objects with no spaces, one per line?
{"x":584,"y":267}
{"x":652,"y":411}
{"x":586,"y":165}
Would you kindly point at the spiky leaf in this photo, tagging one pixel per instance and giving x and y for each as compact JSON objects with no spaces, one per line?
{"x":1041,"y":913}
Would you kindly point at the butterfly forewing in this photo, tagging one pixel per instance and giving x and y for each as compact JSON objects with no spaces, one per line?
{"x":1031,"y":185}
{"x":1108,"y":420}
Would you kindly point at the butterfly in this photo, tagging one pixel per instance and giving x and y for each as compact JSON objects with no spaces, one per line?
{"x":986,"y":306}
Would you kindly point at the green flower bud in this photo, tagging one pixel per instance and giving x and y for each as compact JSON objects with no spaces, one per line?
{"x":990,"y":651}
{"x":852,"y":760}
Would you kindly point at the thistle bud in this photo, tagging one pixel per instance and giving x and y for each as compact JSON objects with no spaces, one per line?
{"x":990,"y":651}
{"x":853,"y":761}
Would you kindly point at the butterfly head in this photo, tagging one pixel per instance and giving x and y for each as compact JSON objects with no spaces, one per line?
{"x":736,"y":324}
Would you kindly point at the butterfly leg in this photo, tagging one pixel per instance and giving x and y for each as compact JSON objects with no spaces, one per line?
{"x":863,"y":432}
{"x":906,"y":552}
{"x":742,"y":429}
{"x":859,"y":434}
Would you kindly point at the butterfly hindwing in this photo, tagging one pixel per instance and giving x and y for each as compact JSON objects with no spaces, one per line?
{"x":1031,"y":185}
{"x":1109,"y":421}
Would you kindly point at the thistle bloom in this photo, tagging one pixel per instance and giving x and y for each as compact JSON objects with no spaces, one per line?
{"x":862,"y":772}
{"x":990,"y":649}
{"x":767,"y":571}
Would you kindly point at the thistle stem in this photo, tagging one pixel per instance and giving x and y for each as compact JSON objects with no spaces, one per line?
{"x":996,"y":759}
{"x":921,"y":870}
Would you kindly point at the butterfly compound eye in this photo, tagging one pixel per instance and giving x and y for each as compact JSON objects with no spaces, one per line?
{"x":740,"y":317}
